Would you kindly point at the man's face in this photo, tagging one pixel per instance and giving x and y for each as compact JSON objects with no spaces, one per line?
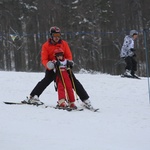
{"x":135,"y":36}
{"x":56,"y":37}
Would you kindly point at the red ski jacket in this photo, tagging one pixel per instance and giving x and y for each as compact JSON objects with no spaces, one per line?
{"x":47,"y":53}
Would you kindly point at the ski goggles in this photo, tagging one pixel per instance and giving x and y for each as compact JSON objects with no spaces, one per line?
{"x":56,"y":35}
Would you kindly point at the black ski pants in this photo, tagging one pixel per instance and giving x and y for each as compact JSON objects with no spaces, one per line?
{"x":49,"y":77}
{"x":131,"y":64}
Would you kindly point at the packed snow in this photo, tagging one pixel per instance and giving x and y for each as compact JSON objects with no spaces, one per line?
{"x":123,"y":122}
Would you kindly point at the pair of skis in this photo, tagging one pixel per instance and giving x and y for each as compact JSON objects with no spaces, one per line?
{"x":127,"y":76}
{"x":55,"y":107}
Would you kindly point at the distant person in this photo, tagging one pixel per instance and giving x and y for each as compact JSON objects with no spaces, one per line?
{"x":47,"y":54}
{"x":128,"y":54}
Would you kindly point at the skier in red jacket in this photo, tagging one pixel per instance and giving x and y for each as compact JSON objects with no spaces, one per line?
{"x":47,"y":55}
{"x":63,"y":81}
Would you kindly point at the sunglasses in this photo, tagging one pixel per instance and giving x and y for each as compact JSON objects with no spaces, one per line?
{"x":56,"y":35}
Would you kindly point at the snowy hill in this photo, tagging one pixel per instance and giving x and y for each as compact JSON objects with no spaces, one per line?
{"x":123,"y":122}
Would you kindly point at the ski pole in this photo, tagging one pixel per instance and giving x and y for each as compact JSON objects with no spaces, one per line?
{"x":70,"y":72}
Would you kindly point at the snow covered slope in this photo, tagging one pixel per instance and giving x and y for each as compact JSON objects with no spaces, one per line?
{"x":123,"y":122}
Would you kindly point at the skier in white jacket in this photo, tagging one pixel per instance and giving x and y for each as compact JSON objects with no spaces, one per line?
{"x":128,"y":53}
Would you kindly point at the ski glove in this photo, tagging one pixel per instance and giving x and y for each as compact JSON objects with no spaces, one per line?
{"x":50,"y":65}
{"x":134,"y":55}
{"x":70,"y":63}
{"x":132,"y":49}
{"x":57,"y":64}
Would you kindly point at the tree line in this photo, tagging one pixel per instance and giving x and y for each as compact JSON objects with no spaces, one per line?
{"x":94,"y":29}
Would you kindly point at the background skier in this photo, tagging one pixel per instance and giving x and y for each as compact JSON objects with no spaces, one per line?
{"x":128,"y":54}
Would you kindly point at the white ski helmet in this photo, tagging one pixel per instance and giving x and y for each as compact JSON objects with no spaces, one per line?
{"x":54,"y":30}
{"x":132,"y":32}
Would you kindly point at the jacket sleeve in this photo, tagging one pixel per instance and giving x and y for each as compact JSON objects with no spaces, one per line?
{"x":44,"y":56}
{"x":126,"y":48}
{"x":67,"y":52}
{"x":129,"y":46}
